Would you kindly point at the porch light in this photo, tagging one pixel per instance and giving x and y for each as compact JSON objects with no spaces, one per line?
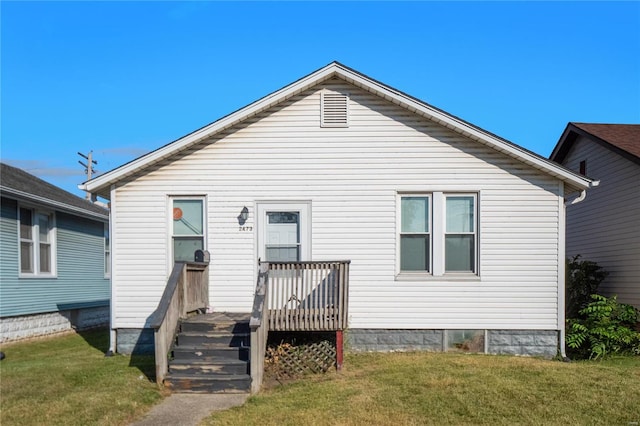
{"x":244,"y":214}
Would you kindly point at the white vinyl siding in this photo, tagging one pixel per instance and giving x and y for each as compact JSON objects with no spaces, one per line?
{"x":605,"y":227}
{"x":351,"y":177}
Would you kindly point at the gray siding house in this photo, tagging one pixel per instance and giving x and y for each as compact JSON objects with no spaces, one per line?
{"x":54,"y":258}
{"x":605,"y":227}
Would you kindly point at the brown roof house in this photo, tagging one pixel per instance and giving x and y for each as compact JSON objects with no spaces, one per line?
{"x":605,"y":227}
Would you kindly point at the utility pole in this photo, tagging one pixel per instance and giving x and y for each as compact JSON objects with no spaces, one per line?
{"x":88,"y":169}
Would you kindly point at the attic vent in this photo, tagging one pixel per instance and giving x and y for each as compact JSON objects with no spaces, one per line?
{"x":334,"y":110}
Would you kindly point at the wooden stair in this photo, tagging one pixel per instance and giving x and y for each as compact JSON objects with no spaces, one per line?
{"x":211,"y":355}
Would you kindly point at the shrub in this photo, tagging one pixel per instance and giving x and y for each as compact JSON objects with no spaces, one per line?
{"x":606,"y":328}
{"x":583,"y":277}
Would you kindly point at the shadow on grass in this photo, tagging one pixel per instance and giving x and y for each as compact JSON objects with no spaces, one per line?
{"x":99,"y":339}
{"x":143,"y":356}
{"x":96,"y":337}
{"x":146,"y":364}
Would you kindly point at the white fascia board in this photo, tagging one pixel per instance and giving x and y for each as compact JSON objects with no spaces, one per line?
{"x":466,"y":130}
{"x":24,"y":196}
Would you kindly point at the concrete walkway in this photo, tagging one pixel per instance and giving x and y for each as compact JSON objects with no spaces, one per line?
{"x":189,"y":409}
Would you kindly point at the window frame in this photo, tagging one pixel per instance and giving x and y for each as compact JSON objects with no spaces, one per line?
{"x":428,"y":233}
{"x":437,"y":228}
{"x":172,"y":198}
{"x":474,"y":261}
{"x":35,"y":242}
{"x":107,"y":250}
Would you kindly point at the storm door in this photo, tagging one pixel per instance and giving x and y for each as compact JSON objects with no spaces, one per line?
{"x":283,"y":232}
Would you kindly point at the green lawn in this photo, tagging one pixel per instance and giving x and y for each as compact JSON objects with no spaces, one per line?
{"x":430,"y":388}
{"x":66,"y":380}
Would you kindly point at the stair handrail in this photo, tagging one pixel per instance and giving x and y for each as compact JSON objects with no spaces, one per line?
{"x":259,"y":325}
{"x":178,"y":298}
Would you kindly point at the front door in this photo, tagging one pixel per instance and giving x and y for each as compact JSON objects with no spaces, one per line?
{"x":283,"y":232}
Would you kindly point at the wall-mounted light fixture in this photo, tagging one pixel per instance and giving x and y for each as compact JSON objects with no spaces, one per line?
{"x":244,"y":214}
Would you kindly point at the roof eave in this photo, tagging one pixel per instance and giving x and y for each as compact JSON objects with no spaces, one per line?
{"x":101,"y":184}
{"x":25,"y":196}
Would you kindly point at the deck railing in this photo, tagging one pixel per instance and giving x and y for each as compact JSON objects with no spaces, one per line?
{"x":259,"y":327}
{"x":308,"y":296}
{"x":297,"y":296}
{"x":187,"y":290}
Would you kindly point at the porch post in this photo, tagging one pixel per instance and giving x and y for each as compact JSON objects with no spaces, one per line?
{"x":339,"y":349}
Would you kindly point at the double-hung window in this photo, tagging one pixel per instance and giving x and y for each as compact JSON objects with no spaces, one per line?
{"x":107,"y":252}
{"x":37,"y":249}
{"x":187,"y":228}
{"x":460,"y":238}
{"x":415,"y":240}
{"x":438,"y":234}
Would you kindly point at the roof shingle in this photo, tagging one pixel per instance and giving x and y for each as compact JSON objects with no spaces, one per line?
{"x":13,"y":179}
{"x":623,"y":136}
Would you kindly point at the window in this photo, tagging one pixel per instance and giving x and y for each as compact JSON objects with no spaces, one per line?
{"x":37,"y":250}
{"x":459,"y":237}
{"x":437,"y":234}
{"x":107,"y":251}
{"x":415,"y":241}
{"x":583,"y":167}
{"x":188,"y":228}
{"x":283,"y":237}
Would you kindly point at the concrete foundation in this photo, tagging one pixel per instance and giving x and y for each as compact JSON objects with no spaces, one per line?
{"x":28,"y":326}
{"x":543,"y":343}
{"x":135,"y":341}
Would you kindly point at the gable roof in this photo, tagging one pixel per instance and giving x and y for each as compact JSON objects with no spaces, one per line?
{"x":18,"y":184}
{"x":573,"y":180}
{"x":623,"y":139}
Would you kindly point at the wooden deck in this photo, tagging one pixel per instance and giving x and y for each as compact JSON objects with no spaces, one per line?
{"x":308,"y":296}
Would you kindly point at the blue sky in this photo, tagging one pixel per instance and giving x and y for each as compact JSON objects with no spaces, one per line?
{"x":124,"y":78}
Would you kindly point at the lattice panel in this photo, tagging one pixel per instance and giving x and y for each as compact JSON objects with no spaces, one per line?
{"x":288,"y":361}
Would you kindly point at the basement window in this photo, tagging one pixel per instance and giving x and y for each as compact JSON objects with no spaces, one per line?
{"x":334,"y":109}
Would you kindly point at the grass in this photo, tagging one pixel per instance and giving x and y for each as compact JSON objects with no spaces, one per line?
{"x":429,"y":388}
{"x":66,"y":380}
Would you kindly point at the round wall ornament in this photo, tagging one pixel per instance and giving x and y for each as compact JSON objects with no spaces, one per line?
{"x":177,"y":213}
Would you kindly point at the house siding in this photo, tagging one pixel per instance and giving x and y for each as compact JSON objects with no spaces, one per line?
{"x":352,"y":177}
{"x":605,"y":227}
{"x":79,"y":282}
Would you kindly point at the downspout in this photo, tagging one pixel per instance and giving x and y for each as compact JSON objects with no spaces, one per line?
{"x":561,"y":263}
{"x":112,"y":331}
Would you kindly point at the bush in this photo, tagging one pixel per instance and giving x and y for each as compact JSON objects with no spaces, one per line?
{"x":583,"y":277}
{"x":606,"y":328}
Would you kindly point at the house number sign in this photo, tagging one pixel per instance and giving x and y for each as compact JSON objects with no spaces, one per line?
{"x":246,"y":228}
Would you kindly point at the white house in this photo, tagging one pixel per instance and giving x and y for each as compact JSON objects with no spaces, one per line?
{"x":605,"y":228}
{"x":455,"y":235}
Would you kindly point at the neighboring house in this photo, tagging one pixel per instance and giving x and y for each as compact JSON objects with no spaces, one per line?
{"x":605,"y":227}
{"x":54,"y":258}
{"x":455,"y":235}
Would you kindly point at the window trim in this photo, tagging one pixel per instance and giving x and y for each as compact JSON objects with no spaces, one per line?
{"x":447,"y":195}
{"x":170,"y":243}
{"x":428,"y":233}
{"x":107,"y":249}
{"x":437,"y":227}
{"x":35,"y":242}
